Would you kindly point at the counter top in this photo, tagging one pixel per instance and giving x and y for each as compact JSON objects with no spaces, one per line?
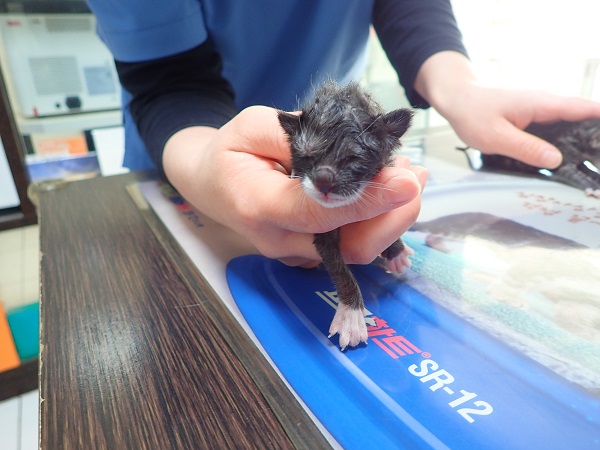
{"x":125,"y":362}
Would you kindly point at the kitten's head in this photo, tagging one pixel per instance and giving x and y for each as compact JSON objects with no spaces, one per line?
{"x":340,"y":140}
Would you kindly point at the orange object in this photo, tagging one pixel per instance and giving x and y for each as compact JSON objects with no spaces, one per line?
{"x":60,"y":145}
{"x":9,"y":358}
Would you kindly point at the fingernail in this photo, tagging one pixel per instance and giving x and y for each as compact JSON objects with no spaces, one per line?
{"x":551,"y":158}
{"x":402,"y":188}
{"x":421,"y":173}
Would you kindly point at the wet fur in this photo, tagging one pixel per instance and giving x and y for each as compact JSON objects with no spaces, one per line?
{"x":339,"y":143}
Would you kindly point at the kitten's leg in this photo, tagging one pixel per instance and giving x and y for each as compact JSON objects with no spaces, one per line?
{"x":397,"y":255}
{"x":349,"y":319}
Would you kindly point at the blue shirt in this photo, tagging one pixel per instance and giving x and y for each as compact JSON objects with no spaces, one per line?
{"x":272,"y":51}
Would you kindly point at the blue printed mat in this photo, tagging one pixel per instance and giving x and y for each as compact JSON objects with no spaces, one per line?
{"x":427,"y":378}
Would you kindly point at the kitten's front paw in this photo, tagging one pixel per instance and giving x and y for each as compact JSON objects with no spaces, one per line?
{"x":400,"y":263}
{"x":350,"y":324}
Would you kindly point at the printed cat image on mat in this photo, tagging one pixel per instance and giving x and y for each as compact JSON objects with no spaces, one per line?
{"x":544,"y":287}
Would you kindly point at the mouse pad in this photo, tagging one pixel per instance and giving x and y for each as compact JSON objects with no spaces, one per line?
{"x":427,"y":378}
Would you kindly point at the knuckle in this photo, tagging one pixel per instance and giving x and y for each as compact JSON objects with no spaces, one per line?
{"x":310,"y":221}
{"x":358,"y":254}
{"x":243,"y":213}
{"x":313,"y":227}
{"x":268,"y":250}
{"x":249,"y":110}
{"x":254,"y":113}
{"x":413,"y":213}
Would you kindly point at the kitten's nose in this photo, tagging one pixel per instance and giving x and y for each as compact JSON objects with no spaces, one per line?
{"x":324,"y":179}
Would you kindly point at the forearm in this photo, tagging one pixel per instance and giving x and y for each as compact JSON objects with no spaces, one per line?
{"x":442,"y":80}
{"x":183,"y":154}
{"x":411,"y":32}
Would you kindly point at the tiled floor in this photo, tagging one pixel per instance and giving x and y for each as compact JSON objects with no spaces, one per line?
{"x":19,"y":266}
{"x":19,"y":285}
{"x":19,"y":422}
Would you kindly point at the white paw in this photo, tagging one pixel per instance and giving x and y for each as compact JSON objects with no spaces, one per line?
{"x":400,"y":263}
{"x":592,"y":192}
{"x":350,"y":325}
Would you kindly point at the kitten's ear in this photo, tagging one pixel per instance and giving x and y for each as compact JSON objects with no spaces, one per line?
{"x":397,"y":121}
{"x":289,"y":122}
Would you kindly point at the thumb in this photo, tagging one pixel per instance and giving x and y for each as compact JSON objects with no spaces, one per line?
{"x":526,"y":147}
{"x":256,"y":130}
{"x":391,"y":188}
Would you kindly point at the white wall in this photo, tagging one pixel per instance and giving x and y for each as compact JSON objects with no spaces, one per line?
{"x":532,"y":43}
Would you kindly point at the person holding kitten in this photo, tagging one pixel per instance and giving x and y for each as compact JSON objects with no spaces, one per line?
{"x":195,"y":72}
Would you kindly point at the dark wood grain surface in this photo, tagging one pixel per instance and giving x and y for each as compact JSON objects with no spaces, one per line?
{"x":123,"y":363}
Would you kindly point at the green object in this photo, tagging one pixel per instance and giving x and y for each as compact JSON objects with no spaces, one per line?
{"x":24,"y":323}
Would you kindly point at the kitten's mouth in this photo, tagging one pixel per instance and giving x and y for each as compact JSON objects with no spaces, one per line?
{"x":329,"y":199}
{"x":334,"y":200}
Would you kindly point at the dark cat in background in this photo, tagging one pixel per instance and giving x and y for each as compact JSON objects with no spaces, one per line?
{"x":579,"y":143}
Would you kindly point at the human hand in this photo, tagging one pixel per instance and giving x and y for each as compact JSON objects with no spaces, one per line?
{"x":492,"y":119}
{"x":238,"y":176}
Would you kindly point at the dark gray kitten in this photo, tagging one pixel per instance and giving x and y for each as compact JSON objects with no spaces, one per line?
{"x":579,"y":143}
{"x":339,"y":143}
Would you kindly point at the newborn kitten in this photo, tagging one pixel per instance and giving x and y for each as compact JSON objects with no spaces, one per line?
{"x":579,"y":143}
{"x":339,"y":142}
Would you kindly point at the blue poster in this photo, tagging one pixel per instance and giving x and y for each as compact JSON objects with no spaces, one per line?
{"x":491,"y":342}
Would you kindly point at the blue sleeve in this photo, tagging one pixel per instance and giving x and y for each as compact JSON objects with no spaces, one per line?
{"x":137,"y":30}
{"x":410,"y":31}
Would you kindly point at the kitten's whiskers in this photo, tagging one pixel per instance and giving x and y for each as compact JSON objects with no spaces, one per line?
{"x":380,"y":186}
{"x":370,"y":125}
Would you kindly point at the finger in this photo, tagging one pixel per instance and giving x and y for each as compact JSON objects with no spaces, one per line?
{"x":362,"y":242}
{"x":296,"y":249}
{"x":525,"y":147}
{"x":256,"y":130}
{"x":401,"y":161}
{"x":572,"y":109}
{"x":286,"y":204}
{"x":421,"y":173}
{"x":552,"y":108}
{"x":299,"y":262}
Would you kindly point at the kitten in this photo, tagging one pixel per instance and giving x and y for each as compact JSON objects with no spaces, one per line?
{"x":339,"y":142}
{"x":579,"y":143}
